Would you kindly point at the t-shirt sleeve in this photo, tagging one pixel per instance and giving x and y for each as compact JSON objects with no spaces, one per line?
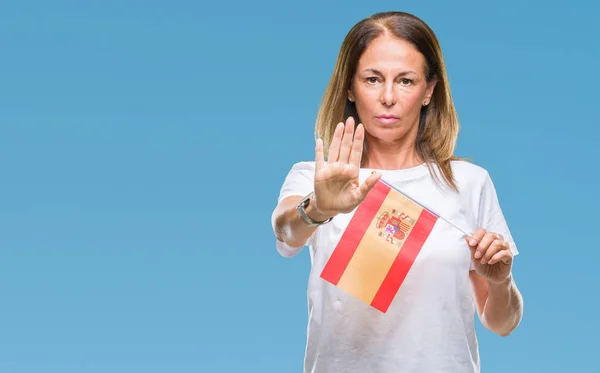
{"x":298,"y":182}
{"x":490,"y":216}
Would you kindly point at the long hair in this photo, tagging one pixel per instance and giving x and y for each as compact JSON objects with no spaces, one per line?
{"x":438,"y":124}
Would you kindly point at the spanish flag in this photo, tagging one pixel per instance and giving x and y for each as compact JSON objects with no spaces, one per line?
{"x":379,"y":246}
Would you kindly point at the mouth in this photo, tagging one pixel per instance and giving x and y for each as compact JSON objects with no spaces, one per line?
{"x":386,"y":119}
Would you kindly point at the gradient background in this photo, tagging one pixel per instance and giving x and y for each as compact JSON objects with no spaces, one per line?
{"x":143,"y":145}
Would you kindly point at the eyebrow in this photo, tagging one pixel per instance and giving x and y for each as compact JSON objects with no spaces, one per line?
{"x":403,"y":73}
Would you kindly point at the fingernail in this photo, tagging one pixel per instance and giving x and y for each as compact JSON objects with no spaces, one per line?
{"x":477,"y":255}
{"x":473,"y":242}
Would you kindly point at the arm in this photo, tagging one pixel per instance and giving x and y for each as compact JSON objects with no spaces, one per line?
{"x":498,"y":300}
{"x":499,"y":304}
{"x":335,"y":184}
{"x":289,"y":226}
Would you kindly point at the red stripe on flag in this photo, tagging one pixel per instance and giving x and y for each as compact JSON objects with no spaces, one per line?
{"x":358,"y":225}
{"x":404,"y":261}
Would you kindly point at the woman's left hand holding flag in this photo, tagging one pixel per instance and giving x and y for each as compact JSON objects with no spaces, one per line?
{"x":491,"y":255}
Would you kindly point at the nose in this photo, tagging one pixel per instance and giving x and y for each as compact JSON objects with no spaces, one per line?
{"x":388,"y":96}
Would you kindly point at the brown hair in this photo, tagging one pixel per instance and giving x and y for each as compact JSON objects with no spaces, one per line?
{"x":438,"y":126}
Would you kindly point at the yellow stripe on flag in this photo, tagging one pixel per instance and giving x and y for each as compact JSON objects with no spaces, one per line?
{"x":372,"y":260}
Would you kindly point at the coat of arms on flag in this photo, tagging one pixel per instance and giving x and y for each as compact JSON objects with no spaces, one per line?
{"x":379,"y":246}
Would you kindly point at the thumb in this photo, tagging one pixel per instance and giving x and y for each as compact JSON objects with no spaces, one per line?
{"x":472,"y":249}
{"x":368,"y":184}
{"x":472,"y":243}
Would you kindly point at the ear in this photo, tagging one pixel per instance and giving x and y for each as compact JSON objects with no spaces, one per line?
{"x":350,"y":95}
{"x":429,"y":90}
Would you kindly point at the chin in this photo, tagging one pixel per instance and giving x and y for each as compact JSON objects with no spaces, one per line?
{"x":386,"y":136}
{"x":387,"y":133}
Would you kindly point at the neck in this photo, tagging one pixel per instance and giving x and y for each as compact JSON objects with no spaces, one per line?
{"x":391,"y":156}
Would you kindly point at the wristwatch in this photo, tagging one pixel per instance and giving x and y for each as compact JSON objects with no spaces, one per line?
{"x":301,"y":210}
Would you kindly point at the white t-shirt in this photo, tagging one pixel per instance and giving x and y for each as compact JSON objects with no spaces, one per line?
{"x":429,"y":326}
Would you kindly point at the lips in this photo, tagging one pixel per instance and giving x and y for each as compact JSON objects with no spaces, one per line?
{"x":386,"y":119}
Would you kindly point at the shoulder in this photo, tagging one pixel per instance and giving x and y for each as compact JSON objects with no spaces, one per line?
{"x":468,"y":169}
{"x":299,"y":180}
{"x":469,"y":174}
{"x":303,"y":167}
{"x":302,"y":170}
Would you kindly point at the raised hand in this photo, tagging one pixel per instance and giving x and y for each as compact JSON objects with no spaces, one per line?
{"x":337,"y":188}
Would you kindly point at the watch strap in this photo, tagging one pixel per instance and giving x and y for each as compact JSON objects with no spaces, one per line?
{"x":302,"y":211}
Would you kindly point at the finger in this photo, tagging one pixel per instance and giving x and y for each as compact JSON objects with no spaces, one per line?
{"x":334,"y":147}
{"x":505,"y":256}
{"x":368,"y":184}
{"x":476,"y":237}
{"x":319,"y":158}
{"x":496,"y":246}
{"x":357,"y":146}
{"x":484,"y":244}
{"x":347,"y":141}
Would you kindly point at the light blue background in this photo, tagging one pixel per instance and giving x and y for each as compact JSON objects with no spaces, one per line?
{"x":143,"y":145}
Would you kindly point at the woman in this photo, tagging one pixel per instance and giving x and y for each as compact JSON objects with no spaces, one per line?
{"x":388,"y":112}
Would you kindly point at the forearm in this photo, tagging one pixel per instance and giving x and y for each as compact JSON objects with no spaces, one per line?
{"x":503,"y":307}
{"x":289,"y":226}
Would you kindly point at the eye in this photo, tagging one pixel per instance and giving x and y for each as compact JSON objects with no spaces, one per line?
{"x":372,"y":80}
{"x":406,"y":82}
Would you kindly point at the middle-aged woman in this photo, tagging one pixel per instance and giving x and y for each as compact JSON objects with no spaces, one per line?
{"x":388,"y":111}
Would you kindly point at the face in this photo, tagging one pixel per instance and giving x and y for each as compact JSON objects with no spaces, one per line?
{"x":389,"y":89}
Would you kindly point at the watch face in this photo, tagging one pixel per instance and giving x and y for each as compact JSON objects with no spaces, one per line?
{"x":301,"y":206}
{"x":306,"y":200}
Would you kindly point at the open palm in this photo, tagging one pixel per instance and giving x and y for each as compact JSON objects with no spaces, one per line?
{"x":337,"y":188}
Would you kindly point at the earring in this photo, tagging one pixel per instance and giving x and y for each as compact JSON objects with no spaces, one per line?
{"x":426,"y":103}
{"x":350,"y":99}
